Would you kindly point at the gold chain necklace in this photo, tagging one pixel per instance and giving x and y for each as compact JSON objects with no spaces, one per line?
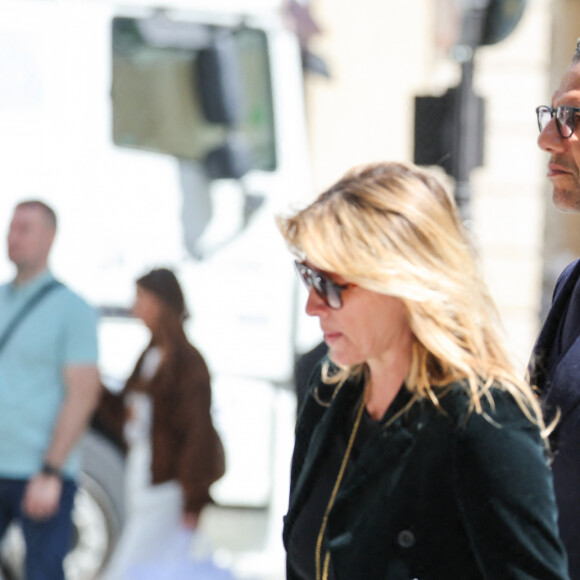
{"x":322,"y":571}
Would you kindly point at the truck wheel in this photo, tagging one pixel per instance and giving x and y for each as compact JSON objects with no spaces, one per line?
{"x":98,"y":515}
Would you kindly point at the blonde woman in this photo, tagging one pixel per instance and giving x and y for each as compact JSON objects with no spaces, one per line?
{"x":420,"y":452}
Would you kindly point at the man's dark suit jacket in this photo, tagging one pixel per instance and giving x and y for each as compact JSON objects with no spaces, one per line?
{"x":555,"y":370}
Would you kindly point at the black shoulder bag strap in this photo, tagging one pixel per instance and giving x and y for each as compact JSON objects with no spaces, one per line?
{"x":22,"y":313}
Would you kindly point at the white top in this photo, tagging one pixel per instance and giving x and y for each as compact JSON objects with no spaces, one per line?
{"x":138,"y":425}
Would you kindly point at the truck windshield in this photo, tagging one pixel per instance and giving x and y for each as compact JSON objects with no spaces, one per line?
{"x":156,"y":100}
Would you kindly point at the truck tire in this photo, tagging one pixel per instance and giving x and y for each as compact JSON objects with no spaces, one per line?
{"x":98,"y":515}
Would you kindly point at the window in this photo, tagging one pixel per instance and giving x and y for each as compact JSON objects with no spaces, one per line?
{"x":157,"y":89}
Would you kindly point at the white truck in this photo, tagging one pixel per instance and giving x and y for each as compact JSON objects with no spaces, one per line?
{"x":166,"y":135}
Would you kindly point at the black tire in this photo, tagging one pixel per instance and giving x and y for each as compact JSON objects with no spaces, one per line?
{"x":98,"y":515}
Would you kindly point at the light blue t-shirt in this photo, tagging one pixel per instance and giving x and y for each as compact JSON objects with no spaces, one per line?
{"x":60,"y":331}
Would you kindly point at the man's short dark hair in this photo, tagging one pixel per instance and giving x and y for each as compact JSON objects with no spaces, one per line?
{"x":45,"y":208}
{"x":576,"y":57}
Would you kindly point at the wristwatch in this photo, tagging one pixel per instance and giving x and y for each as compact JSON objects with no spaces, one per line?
{"x":48,"y":469}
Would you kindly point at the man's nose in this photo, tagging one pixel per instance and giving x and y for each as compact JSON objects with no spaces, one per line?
{"x":550,"y":139}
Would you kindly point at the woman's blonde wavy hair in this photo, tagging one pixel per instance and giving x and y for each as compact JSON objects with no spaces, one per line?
{"x":393,"y":228}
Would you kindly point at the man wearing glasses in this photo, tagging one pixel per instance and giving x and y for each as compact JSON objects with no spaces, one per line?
{"x":555,"y":363}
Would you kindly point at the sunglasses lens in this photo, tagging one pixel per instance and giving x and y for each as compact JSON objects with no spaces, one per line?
{"x":333,"y":297}
{"x":321,"y":285}
{"x":325,"y":288}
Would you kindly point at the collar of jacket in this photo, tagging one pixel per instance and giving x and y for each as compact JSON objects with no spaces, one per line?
{"x":387,"y":447}
{"x":549,"y":331}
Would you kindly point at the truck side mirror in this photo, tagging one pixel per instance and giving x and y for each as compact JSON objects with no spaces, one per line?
{"x":231,"y":160}
{"x":220,"y":81}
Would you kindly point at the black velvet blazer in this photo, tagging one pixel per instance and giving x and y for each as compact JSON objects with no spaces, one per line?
{"x":436,"y":494}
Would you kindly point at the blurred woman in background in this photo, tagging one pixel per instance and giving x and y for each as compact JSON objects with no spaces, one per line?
{"x":163,"y":415}
{"x":419,"y":453}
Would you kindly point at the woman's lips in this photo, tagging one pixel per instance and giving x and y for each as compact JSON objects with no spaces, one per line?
{"x":331,"y":337}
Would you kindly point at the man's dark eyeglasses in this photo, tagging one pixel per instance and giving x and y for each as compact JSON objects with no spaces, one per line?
{"x":564,"y":115}
{"x":328,"y":290}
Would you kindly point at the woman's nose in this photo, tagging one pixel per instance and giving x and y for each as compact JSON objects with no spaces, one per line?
{"x":315,"y":305}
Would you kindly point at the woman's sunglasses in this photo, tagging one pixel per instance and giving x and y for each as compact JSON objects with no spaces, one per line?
{"x":328,"y":290}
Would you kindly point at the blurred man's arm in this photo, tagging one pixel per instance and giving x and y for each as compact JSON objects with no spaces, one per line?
{"x":83,"y":390}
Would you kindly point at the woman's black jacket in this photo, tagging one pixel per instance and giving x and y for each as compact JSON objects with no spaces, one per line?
{"x":437,"y":494}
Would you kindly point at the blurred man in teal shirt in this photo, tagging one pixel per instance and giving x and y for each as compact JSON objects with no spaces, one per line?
{"x":49,"y":387}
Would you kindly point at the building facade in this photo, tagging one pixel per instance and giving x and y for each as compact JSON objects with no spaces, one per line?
{"x":383,"y":53}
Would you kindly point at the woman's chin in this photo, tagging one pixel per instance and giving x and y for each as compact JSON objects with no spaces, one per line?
{"x":343,"y":358}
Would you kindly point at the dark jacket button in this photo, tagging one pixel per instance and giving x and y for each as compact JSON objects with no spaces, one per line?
{"x":406,"y":539}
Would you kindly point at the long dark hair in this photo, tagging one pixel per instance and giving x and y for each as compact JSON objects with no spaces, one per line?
{"x":163,"y":283}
